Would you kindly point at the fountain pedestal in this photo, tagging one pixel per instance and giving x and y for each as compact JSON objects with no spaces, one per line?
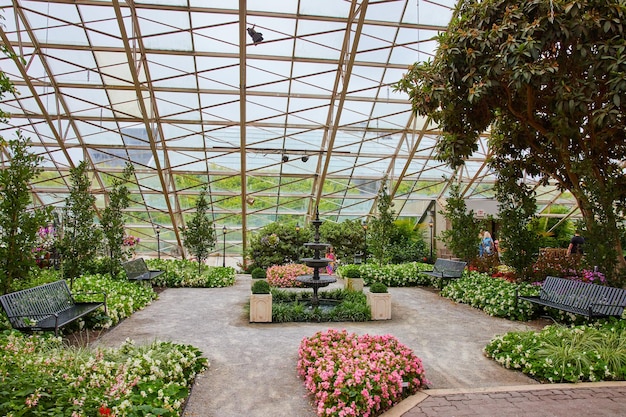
{"x":316,"y":280}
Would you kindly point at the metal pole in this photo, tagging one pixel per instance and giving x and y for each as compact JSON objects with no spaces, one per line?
{"x":224,"y":237}
{"x":365,"y":240}
{"x":431,"y":240}
{"x":158,"y":232}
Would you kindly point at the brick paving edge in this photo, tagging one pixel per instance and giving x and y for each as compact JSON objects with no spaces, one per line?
{"x":412,"y":401}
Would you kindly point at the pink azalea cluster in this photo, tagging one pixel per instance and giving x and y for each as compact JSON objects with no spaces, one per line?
{"x":284,"y":276}
{"x":589,"y":276}
{"x":130,"y":240}
{"x":352,"y":375}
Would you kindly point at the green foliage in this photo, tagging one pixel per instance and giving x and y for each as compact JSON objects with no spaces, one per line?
{"x":199,"y":236}
{"x":382,"y":227}
{"x":18,"y":224}
{"x":350,"y":271}
{"x":378,"y":287}
{"x":347,"y":238}
{"x":184,"y":273}
{"x":494,"y":296}
{"x":80,"y":239}
{"x":258,"y":273}
{"x":291,"y":306}
{"x":112,"y":221}
{"x":260,"y":286}
{"x":462,"y":237}
{"x":407,"y":243}
{"x":590,"y":352}
{"x":553,"y":232}
{"x":40,"y":377}
{"x":547,"y":79}
{"x":519,"y":245}
{"x":402,"y":275}
{"x":277,"y":244}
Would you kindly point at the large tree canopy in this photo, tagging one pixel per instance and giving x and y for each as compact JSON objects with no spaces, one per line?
{"x":548,"y":77}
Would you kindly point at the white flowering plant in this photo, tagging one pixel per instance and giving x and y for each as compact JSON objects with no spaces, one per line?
{"x":589,"y":352}
{"x":43,"y":378}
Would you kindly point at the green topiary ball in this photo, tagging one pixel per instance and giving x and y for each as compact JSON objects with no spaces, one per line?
{"x":378,"y":287}
{"x":261,"y":287}
{"x":258,"y":273}
{"x":352,"y":272}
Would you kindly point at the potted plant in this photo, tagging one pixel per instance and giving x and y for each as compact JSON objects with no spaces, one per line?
{"x":257,"y":274}
{"x":261,"y":302}
{"x":352,"y":279}
{"x":379,"y":301}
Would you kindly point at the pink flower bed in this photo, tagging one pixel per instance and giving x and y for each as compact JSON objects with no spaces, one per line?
{"x":352,"y":375}
{"x":284,"y":276}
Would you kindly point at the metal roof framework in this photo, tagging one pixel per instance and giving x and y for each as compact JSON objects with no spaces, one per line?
{"x":305,"y":119}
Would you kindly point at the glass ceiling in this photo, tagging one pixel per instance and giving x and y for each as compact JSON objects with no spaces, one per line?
{"x":306,"y":118}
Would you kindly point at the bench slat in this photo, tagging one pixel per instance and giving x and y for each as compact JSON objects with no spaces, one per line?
{"x":581,"y":298}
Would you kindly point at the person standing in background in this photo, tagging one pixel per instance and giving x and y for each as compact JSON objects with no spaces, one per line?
{"x":330,"y":268}
{"x":576,"y":244}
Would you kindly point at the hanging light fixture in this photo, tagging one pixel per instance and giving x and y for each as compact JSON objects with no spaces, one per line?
{"x":285,"y":158}
{"x":257,"y":37}
{"x":305,"y":158}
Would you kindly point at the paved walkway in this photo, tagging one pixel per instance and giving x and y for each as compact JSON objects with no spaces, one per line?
{"x":252,"y":365}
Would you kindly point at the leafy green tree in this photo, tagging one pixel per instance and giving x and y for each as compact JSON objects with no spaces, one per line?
{"x":462,"y":237}
{"x":407,"y":244}
{"x":199,"y":236}
{"x":112,"y":221}
{"x":18,"y":221}
{"x":278,"y":244}
{"x":347,"y":238}
{"x":382,"y":227}
{"x":81,"y":238}
{"x":547,"y":77}
{"x":519,"y":244}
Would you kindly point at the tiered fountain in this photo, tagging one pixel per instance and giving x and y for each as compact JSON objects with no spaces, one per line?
{"x":316,"y":280}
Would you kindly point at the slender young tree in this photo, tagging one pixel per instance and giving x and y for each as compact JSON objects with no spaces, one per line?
{"x":19,"y":222}
{"x":547,"y":77}
{"x":112,"y":221}
{"x":82,"y":238}
{"x":382,"y":227}
{"x":462,"y":237}
{"x":199,"y":236}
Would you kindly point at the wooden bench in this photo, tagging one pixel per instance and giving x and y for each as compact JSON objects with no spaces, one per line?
{"x":137,"y":270}
{"x":46,"y":307}
{"x":446,"y":269}
{"x":582,"y":298}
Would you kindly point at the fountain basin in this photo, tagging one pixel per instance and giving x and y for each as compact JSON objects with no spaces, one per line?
{"x":316,"y":263}
{"x":316,"y":282}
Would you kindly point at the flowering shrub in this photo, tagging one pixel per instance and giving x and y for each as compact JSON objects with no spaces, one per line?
{"x":586,"y":275}
{"x":284,"y":276}
{"x":271,"y":240}
{"x":46,"y":239}
{"x":40,"y":378}
{"x":590,"y":352}
{"x":130,"y":241}
{"x":184,"y":273}
{"x":352,"y":375}
{"x":494,"y":296}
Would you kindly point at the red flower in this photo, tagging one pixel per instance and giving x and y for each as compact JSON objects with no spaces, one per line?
{"x":104,"y":411}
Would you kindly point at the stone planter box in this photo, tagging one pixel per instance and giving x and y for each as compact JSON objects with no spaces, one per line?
{"x":380,"y":305}
{"x":261,"y":308}
{"x":354,"y":284}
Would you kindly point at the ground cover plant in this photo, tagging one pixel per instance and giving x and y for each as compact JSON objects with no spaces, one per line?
{"x":293,"y":306}
{"x":41,"y":377}
{"x":351,"y":375}
{"x":184,"y":273}
{"x":589,"y":352}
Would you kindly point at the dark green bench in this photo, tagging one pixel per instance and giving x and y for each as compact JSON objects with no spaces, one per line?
{"x":446,"y":269}
{"x":582,"y":298}
{"x":46,"y":307}
{"x":137,"y":270}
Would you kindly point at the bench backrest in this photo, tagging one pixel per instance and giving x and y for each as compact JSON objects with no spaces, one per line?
{"x":43,"y":300}
{"x":449,"y":266}
{"x":135,"y":268}
{"x":603,"y":300}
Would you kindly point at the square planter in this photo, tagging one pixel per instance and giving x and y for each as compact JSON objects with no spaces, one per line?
{"x":260,"y":308}
{"x":380,"y":305}
{"x":354,"y":284}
